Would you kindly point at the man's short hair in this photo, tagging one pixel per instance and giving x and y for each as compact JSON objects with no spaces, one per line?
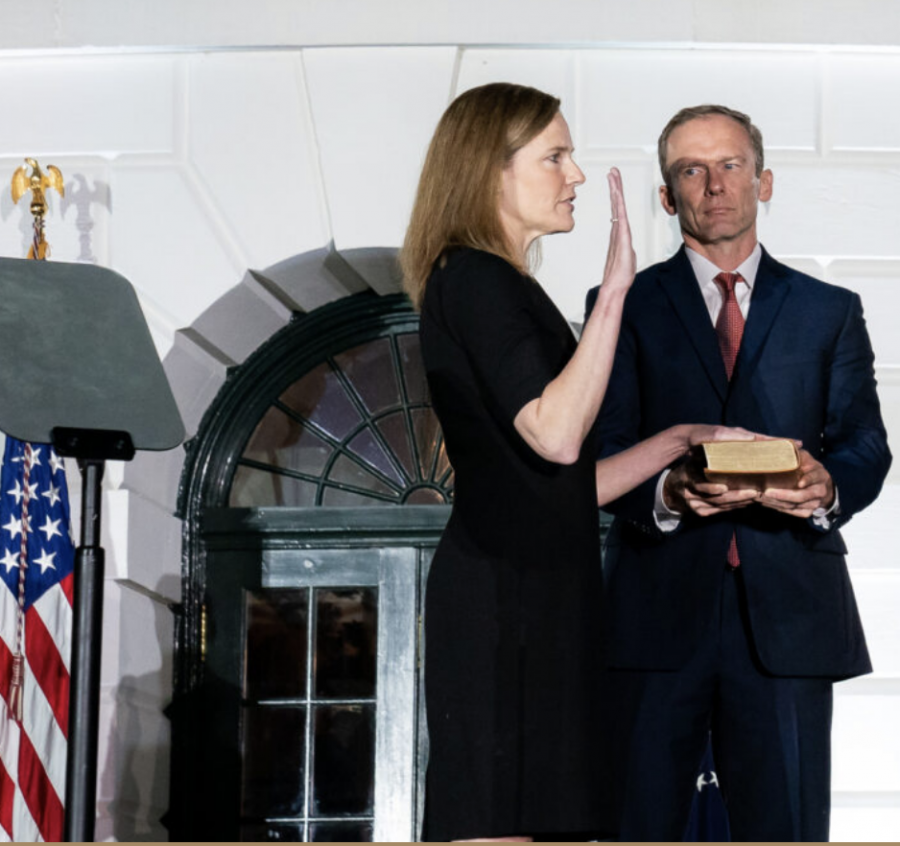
{"x":694,"y":112}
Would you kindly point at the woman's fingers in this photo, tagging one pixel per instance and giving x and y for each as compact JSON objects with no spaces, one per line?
{"x":620,"y":258}
{"x":704,"y":433}
{"x":619,"y":213}
{"x":615,"y":187}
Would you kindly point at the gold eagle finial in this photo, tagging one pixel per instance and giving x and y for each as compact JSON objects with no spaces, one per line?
{"x":37,"y":182}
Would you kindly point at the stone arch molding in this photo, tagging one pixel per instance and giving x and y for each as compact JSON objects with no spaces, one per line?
{"x":197,"y":366}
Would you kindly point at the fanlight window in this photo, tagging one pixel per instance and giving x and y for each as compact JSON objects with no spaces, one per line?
{"x":355,"y":430}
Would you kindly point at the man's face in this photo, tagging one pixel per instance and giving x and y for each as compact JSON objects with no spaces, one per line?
{"x":714,"y":187}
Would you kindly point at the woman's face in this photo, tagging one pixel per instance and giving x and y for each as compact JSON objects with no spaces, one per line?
{"x":537,"y":191}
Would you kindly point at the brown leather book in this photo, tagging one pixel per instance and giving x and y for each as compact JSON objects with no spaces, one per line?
{"x":752,"y":464}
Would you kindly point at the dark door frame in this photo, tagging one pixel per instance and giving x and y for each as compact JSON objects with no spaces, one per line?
{"x":209,"y":468}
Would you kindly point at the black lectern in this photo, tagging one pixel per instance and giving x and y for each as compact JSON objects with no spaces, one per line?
{"x":80,"y":371}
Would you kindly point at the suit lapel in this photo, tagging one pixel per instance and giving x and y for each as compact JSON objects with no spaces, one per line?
{"x":680,"y":285}
{"x":769,"y":290}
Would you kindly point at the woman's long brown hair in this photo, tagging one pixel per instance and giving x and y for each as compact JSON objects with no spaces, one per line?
{"x":457,"y":200}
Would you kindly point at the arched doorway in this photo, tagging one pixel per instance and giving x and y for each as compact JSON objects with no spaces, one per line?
{"x":313,"y":494}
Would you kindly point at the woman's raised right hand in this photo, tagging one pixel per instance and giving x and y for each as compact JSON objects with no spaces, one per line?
{"x":621,"y":261}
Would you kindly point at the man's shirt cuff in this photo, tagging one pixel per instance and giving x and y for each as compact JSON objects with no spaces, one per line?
{"x":665,"y":518}
{"x":822,"y":517}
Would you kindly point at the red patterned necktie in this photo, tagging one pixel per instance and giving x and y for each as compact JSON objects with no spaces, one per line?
{"x":730,"y":330}
{"x":730,"y":323}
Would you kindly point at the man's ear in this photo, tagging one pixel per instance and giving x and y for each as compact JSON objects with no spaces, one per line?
{"x":766,"y":180}
{"x":667,"y":198}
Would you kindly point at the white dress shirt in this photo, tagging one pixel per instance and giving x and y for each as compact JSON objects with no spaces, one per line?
{"x":705,"y":272}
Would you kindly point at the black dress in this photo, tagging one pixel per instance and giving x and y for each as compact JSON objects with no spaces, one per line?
{"x":513,"y":605}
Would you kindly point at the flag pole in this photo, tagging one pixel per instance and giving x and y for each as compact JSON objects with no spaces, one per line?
{"x":37,"y":182}
{"x":87,"y":604}
{"x":87,"y":639}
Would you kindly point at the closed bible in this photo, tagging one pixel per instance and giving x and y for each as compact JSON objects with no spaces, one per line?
{"x":752,"y":464}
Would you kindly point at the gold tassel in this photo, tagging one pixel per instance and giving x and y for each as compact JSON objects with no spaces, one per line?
{"x":16,"y":688}
{"x":43,"y":251}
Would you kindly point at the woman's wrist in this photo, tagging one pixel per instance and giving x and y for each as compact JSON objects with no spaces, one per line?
{"x":682,"y":435}
{"x":611,"y":294}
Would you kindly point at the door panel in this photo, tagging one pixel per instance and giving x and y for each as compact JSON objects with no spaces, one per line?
{"x":313,"y":692}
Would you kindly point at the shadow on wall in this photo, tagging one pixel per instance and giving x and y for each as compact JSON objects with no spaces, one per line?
{"x":81,"y":196}
{"x":136,"y":770}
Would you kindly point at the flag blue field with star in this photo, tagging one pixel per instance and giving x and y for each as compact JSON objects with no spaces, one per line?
{"x":51,"y":553}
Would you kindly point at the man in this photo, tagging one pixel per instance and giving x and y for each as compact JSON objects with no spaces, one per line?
{"x":731,"y":610}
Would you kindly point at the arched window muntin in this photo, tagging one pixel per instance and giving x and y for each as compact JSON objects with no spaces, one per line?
{"x":250,"y":388}
{"x":358,"y":429}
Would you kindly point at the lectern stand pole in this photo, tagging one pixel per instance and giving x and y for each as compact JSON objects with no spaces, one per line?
{"x":87,"y":632}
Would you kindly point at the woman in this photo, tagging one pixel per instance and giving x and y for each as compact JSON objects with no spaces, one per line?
{"x":513,"y":603}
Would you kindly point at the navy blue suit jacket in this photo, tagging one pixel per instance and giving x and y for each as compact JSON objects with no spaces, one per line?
{"x":805,"y":371}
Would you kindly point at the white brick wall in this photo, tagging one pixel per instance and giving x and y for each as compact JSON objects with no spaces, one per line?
{"x":218,"y":23}
{"x":198,"y":166}
{"x":257,"y":162}
{"x":626,"y":96}
{"x":855,"y":88}
{"x":374,"y":113}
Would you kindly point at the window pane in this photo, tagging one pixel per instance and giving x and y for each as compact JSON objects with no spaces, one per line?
{"x":443,"y":463}
{"x":370,"y":368}
{"x":346,"y":499}
{"x":277,"y":623}
{"x":346,"y":643}
{"x":366,"y":446}
{"x":394,"y":431}
{"x":348,"y":471}
{"x":413,"y":370}
{"x":273,"y":779}
{"x":428,"y":430}
{"x":283,"y":442}
{"x":319,"y":396}
{"x":252,"y":488}
{"x":344,"y":768}
{"x":268,"y":832}
{"x":426,"y":496}
{"x":348,"y":832}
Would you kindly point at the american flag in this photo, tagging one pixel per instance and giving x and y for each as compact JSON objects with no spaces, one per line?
{"x":37,"y":557}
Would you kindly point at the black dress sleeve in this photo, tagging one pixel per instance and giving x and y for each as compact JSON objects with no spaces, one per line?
{"x":489,"y":307}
